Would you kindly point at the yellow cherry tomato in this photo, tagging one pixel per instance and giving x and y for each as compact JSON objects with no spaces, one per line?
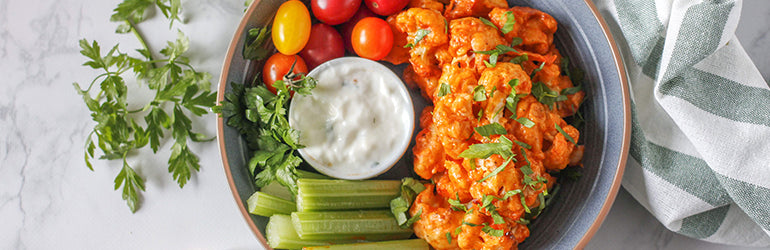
{"x":291,"y":27}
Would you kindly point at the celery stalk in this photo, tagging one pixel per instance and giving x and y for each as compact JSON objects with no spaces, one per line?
{"x":413,"y":244}
{"x":263,"y":204}
{"x":324,"y":195}
{"x":281,"y":234}
{"x":276,"y":189}
{"x":361,"y":225}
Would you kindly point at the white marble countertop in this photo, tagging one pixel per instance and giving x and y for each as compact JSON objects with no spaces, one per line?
{"x":49,"y":199}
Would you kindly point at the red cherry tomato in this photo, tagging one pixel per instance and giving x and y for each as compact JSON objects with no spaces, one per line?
{"x":278,"y":65}
{"x":386,"y":7}
{"x":372,"y":38}
{"x":324,"y":44}
{"x":346,"y":29}
{"x":333,"y":12}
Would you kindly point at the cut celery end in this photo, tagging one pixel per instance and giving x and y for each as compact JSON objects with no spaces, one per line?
{"x":413,"y":244}
{"x":359,"y":225}
{"x":276,"y":189}
{"x":326,"y":195}
{"x":263,"y":204}
{"x":281,"y":234}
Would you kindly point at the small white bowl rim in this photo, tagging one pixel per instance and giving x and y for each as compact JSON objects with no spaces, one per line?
{"x":403,"y":145}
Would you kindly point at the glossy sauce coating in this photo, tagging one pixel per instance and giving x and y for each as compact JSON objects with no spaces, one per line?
{"x":447,"y":56}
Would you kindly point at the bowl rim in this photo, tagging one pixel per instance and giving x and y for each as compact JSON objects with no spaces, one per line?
{"x":606,"y":205}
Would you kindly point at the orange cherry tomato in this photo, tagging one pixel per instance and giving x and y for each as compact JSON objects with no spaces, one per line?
{"x":372,"y":38}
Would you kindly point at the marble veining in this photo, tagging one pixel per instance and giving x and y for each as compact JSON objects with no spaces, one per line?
{"x":49,"y":199}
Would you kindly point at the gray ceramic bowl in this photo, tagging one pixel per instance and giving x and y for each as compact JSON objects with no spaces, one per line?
{"x":580,"y":207}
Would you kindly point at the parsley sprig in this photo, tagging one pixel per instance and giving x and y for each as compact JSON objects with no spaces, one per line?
{"x":179,"y":90}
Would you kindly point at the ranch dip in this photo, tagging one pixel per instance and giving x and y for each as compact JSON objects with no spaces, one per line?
{"x":357,"y":122}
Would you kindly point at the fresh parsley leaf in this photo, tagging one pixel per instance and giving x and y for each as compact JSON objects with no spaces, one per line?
{"x":177,"y":85}
{"x":418,"y":36}
{"x":448,"y":237}
{"x":567,"y":136}
{"x":444,"y":89}
{"x":491,"y":129}
{"x":479,"y":93}
{"x":509,"y":22}
{"x":255,"y":41}
{"x":526,"y":122}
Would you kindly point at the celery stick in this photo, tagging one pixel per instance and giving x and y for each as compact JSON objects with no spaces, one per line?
{"x":324,"y":195}
{"x":280,"y":234}
{"x":413,"y":244}
{"x":263,"y":204}
{"x":311,"y":175}
{"x":361,"y":225}
{"x":276,"y":189}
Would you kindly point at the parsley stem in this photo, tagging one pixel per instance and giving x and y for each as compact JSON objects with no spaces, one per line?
{"x":142,"y":41}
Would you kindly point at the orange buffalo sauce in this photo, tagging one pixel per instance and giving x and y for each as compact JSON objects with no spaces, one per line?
{"x":496,"y":128}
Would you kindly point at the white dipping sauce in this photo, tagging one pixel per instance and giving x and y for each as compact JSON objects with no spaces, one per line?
{"x":357,"y":122}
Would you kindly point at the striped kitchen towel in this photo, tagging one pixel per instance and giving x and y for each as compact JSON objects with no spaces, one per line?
{"x":700,"y":147}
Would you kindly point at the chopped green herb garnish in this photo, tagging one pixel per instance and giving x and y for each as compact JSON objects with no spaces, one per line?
{"x":444,"y":89}
{"x":512,"y":101}
{"x":491,"y":231}
{"x":538,"y":69}
{"x":516,"y":41}
{"x":449,"y":237}
{"x":412,"y":220}
{"x":479,"y":93}
{"x":513,"y":83}
{"x":456,"y":204}
{"x":484,"y":150}
{"x":400,"y":205}
{"x":520,"y":59}
{"x":487,"y":22}
{"x":418,"y":36}
{"x":569,"y":138}
{"x":572,"y":90}
{"x":469,"y":224}
{"x":498,"y":169}
{"x":526,"y":122}
{"x":491,"y":129}
{"x":509,"y":22}
{"x":543,"y":94}
{"x":523,"y":145}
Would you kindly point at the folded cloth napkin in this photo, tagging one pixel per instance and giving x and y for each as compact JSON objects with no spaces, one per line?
{"x":700,"y":146}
